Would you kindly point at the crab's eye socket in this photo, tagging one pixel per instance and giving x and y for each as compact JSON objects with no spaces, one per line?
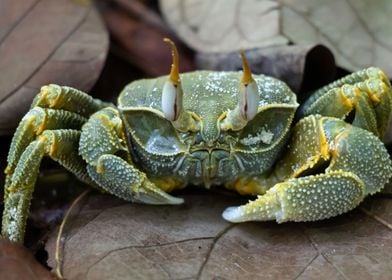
{"x":249,"y":94}
{"x":171,"y":101}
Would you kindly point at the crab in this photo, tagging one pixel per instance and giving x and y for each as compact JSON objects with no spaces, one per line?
{"x":232,"y":129}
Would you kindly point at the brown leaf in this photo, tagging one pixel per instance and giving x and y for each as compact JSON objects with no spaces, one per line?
{"x":44,"y":41}
{"x":303,"y":68}
{"x":224,"y":25}
{"x":139,"y":33}
{"x":17,"y":262}
{"x":358,"y":32}
{"x":117,"y":240}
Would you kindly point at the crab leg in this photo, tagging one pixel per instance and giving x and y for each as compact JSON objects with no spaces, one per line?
{"x":34,"y":123}
{"x":103,"y":146}
{"x":50,"y":128}
{"x":69,"y":99}
{"x":61,"y":145}
{"x":356,"y":164}
{"x":53,"y":108}
{"x":368,"y":92}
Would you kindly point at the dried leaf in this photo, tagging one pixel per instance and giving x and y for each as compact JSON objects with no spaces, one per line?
{"x":17,"y":262}
{"x":358,"y":32}
{"x":224,"y":25}
{"x":44,"y":41}
{"x":303,"y":68}
{"x":138,"y":33}
{"x":117,"y":240}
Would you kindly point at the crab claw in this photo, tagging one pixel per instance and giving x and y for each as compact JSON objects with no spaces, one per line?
{"x":357,"y":165}
{"x":304,"y":199}
{"x":121,"y":179}
{"x":151,"y":194}
{"x":101,"y":141}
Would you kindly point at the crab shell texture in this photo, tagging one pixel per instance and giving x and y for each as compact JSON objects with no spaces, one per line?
{"x":208,"y":155}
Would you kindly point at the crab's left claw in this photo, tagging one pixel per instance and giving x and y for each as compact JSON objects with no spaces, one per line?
{"x":329,"y":168}
{"x":303,"y":199}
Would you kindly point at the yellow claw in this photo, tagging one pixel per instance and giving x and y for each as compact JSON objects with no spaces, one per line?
{"x":174,"y":71}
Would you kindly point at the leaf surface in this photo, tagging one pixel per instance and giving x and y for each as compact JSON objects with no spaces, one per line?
{"x":357,"y":32}
{"x":42,"y":42}
{"x":17,"y":262}
{"x":112,"y":239}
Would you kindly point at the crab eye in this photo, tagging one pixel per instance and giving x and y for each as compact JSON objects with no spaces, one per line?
{"x":172,"y":90}
{"x":249,"y":94}
{"x":249,"y":100}
{"x":171,"y":101}
{"x":248,"y":104}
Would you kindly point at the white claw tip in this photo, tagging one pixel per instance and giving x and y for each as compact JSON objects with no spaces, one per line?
{"x":161,"y":199}
{"x":233,"y":214}
{"x":176,"y":200}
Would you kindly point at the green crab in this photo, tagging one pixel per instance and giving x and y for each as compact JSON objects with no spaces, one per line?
{"x":231,"y":129}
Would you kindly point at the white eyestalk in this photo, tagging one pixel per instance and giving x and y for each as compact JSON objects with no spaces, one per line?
{"x":249,"y":93}
{"x":248,"y":101}
{"x":172,"y":91}
{"x":172,"y":95}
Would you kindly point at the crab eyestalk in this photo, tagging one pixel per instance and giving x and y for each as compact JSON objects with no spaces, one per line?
{"x":249,"y":94}
{"x":172,"y":95}
{"x":172,"y":91}
{"x":248,"y":103}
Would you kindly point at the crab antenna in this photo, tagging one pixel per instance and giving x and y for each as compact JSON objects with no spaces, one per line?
{"x":174,"y":71}
{"x":247,"y":74}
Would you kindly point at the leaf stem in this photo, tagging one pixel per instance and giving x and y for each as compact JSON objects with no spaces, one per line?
{"x":60,"y":233}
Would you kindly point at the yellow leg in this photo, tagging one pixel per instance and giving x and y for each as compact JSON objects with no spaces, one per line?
{"x":60,"y":145}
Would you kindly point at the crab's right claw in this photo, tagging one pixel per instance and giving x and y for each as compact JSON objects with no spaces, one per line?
{"x":118,"y":177}
{"x":151,"y":194}
{"x":357,"y":165}
{"x":103,"y":146}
